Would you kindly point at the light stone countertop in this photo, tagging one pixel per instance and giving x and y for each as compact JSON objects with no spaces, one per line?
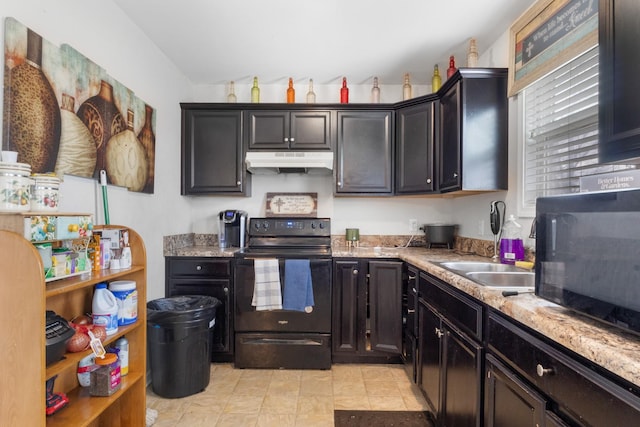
{"x":607,"y":346}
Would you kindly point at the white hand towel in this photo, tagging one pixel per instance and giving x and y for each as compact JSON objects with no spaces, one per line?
{"x":267,"y":293}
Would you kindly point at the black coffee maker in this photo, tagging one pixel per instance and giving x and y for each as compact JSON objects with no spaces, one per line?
{"x":232,"y":228}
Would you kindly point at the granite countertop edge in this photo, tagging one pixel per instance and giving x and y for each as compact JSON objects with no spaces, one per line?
{"x":603,"y":345}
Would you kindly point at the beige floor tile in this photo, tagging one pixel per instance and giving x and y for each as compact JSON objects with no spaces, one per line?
{"x":240,"y":404}
{"x":319,"y":386}
{"x":276,"y":420}
{"x":346,"y":372}
{"x":316,"y":405}
{"x":351,"y":402}
{"x":252,"y":386}
{"x":349,"y":388}
{"x":415,"y":403}
{"x":191,"y":419}
{"x":208,"y":404}
{"x":286,"y":387}
{"x":286,"y":374}
{"x":314,"y":420}
{"x":167,"y":419}
{"x":279,"y":404}
{"x":387,"y":403}
{"x":237,"y":420}
{"x":377,"y":373}
{"x":381,"y":388}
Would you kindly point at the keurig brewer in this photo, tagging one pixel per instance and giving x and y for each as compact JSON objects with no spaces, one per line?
{"x":232,"y":228}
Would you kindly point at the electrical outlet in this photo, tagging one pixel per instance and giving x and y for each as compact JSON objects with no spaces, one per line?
{"x":413,"y":225}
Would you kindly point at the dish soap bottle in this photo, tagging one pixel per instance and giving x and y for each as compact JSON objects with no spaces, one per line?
{"x":511,"y":245}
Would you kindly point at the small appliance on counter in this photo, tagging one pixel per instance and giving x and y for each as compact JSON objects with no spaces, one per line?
{"x":439,"y":235}
{"x":232,"y":228}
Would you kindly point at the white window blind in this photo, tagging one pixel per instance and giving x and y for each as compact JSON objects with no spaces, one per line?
{"x":561,"y":130}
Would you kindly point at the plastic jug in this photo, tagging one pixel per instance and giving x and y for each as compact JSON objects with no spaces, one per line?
{"x":105,"y":308}
{"x":511,"y":245}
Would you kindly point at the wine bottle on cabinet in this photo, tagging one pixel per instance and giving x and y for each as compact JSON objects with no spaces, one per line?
{"x":452,"y":67}
{"x":406,"y":88}
{"x":472,"y":54}
{"x":311,"y":95}
{"x":375,"y":92}
{"x":344,"y":92}
{"x":231,"y":98}
{"x":255,"y":91}
{"x":291,"y":92}
{"x":436,"y":80}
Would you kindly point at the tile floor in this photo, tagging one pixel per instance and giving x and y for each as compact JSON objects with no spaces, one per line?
{"x":283,"y":398}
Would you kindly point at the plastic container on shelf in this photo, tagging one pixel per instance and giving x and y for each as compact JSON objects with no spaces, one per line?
{"x":127,"y":298}
{"x":105,"y":308}
{"x":106,"y":378}
{"x":122,"y":344}
{"x":511,"y":244}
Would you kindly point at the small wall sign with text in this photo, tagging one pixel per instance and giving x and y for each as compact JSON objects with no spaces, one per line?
{"x":292,"y":204}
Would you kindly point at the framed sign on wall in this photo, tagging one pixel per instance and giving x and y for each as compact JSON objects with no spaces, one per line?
{"x":549,"y":34}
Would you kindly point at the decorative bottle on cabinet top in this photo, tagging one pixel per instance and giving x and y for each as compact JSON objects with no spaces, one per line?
{"x":311,"y":95}
{"x":452,"y":67}
{"x":344,"y":92}
{"x":436,"y":81}
{"x":406,"y":88}
{"x":255,"y":91}
{"x":472,"y":54}
{"x":375,"y":92}
{"x":291,"y":92}
{"x":231,"y":98}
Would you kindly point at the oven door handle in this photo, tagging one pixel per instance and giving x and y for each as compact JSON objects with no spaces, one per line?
{"x":281,"y":341}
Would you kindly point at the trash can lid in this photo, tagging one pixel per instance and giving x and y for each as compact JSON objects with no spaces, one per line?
{"x":182,"y":308}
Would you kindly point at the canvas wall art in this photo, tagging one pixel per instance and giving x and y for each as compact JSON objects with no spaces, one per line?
{"x":63,"y":113}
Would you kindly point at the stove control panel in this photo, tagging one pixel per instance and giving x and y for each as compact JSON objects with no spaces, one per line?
{"x":282,"y":227}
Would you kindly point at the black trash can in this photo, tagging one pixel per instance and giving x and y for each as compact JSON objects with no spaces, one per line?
{"x":179,"y":343}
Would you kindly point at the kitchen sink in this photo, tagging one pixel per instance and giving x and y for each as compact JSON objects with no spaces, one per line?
{"x":521,"y":280}
{"x":470,"y":266}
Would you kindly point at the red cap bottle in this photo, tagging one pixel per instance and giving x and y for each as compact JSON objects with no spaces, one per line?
{"x":344,"y":92}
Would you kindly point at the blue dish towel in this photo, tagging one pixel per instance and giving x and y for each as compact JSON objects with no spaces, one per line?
{"x":298,"y":289}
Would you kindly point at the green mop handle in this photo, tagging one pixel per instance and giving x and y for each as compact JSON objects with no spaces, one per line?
{"x":105,"y":199}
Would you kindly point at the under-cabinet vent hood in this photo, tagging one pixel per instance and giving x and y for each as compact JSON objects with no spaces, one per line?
{"x":273,"y":162}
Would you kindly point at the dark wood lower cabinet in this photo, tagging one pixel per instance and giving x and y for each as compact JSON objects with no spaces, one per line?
{"x":449,"y":359}
{"x":367,"y":311}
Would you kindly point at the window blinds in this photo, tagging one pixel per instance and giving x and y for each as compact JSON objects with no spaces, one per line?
{"x":561,"y":129}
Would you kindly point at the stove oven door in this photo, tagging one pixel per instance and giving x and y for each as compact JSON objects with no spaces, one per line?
{"x":247,"y":319}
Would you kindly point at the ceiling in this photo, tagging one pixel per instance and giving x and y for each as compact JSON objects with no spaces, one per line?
{"x":215,"y":41}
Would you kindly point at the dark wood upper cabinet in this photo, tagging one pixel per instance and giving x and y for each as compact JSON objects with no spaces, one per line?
{"x":212,"y":152}
{"x":619,"y":91}
{"x":415,"y":132}
{"x":295,"y":130}
{"x":473,"y":132}
{"x":364,"y":152}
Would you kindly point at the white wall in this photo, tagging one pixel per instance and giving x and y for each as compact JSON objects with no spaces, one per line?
{"x":100,"y":31}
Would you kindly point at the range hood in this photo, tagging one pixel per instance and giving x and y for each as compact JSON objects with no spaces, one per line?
{"x":273,"y":162}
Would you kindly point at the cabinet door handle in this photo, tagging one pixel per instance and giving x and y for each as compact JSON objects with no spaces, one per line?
{"x":542,"y":371}
{"x":455,"y":175}
{"x":355,"y":271}
{"x":238,"y":182}
{"x":340,"y":184}
{"x":412,"y":278}
{"x":286,"y":139}
{"x":439,"y":333}
{"x":411,"y":311}
{"x":225,"y":290}
{"x":292,"y":140}
{"x":198,"y":267}
{"x":428,"y":180}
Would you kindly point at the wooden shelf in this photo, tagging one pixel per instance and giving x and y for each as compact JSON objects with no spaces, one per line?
{"x":24,"y":297}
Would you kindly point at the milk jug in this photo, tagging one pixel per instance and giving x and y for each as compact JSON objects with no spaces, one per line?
{"x":105,"y":308}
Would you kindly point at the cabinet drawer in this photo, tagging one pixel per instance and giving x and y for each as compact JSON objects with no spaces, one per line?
{"x":198,"y":267}
{"x":579,"y":391}
{"x":462,"y":311}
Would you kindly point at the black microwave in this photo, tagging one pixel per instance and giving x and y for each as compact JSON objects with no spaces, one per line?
{"x":588,"y":254}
